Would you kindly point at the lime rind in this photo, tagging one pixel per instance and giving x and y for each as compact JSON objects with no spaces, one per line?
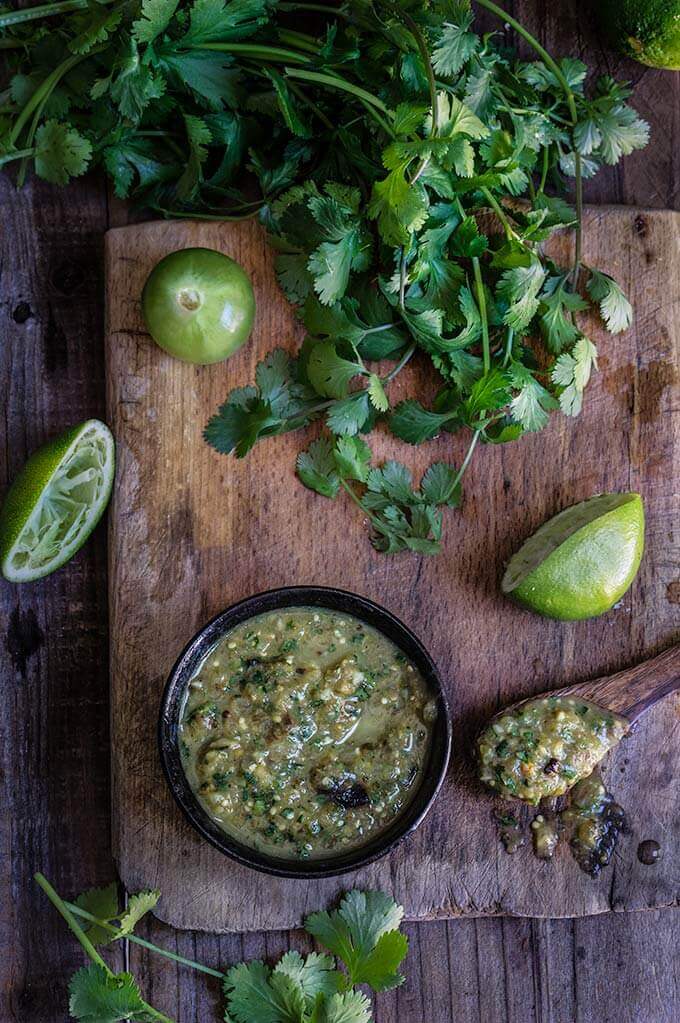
{"x":580,"y":563}
{"x":56,"y":502}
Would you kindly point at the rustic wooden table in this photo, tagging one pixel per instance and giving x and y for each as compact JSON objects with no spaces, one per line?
{"x":54,"y":754}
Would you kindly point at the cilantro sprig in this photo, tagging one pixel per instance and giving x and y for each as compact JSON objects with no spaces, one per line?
{"x":362,"y":935}
{"x":409,"y":172}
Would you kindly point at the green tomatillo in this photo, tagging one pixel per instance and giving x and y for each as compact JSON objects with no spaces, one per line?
{"x":198,"y":305}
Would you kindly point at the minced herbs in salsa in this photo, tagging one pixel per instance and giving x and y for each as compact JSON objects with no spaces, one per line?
{"x":543,"y":747}
{"x":305,"y":731}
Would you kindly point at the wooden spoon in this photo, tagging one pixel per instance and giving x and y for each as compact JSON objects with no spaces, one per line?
{"x":629,"y":692}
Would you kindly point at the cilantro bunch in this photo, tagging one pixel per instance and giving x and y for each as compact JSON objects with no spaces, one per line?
{"x":409,"y":172}
{"x":363,"y":933}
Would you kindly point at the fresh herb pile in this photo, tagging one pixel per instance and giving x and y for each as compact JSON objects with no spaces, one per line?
{"x":402,"y":165}
{"x":363,"y":933}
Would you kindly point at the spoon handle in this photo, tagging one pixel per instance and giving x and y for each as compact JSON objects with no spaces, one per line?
{"x":632,"y":691}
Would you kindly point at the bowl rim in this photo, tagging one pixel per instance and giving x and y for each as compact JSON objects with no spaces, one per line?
{"x":194,"y":652}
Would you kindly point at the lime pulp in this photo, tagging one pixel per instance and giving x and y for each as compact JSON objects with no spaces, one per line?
{"x":56,"y":501}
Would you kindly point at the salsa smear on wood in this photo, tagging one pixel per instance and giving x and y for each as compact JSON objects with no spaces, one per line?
{"x":305,"y":731}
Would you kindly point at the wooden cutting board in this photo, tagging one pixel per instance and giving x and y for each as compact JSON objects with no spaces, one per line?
{"x":192,"y":531}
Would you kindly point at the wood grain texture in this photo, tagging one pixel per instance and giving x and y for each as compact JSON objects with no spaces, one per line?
{"x":613,"y":968}
{"x":193,"y":531}
{"x":54,"y":782}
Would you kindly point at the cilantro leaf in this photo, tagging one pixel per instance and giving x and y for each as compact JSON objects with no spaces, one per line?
{"x":615,"y":308}
{"x":212,"y":21}
{"x":253,"y":992}
{"x":394,"y":481}
{"x":487,"y":394}
{"x":102,"y":903}
{"x":132,"y":163}
{"x":347,"y":246}
{"x":330,"y":374}
{"x":134,"y":84}
{"x":408,"y":117}
{"x":350,"y":415}
{"x":398,"y":206}
{"x":316,"y":974}
{"x":621,"y":131}
{"x":440,"y":484}
{"x":155,"y":16}
{"x":411,"y":422}
{"x":366,"y":321}
{"x":93,"y":27}
{"x":316,"y":468}
{"x":345,"y":1007}
{"x":209,"y":76}
{"x":291,"y":114}
{"x":138,"y":905}
{"x":97,"y":996}
{"x":456,"y":43}
{"x":519,"y":289}
{"x":354,"y":931}
{"x":572,"y":372}
{"x":198,"y":137}
{"x":556,"y":306}
{"x":455,"y":118}
{"x":278,"y":403}
{"x":294,"y":277}
{"x":61,"y":153}
{"x":531,"y":405}
{"x":352,"y":458}
{"x":376,"y":393}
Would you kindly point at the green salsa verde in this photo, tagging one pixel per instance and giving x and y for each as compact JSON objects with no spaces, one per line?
{"x":543,"y":747}
{"x":305,"y":731}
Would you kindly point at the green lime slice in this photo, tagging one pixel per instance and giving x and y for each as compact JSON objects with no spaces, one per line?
{"x":646,"y":30}
{"x":56,"y":501}
{"x":582,"y":561}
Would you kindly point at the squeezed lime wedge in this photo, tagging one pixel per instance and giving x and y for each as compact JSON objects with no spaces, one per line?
{"x":56,"y":501}
{"x":581,"y":562}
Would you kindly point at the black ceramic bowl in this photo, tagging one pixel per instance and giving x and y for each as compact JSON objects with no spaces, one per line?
{"x":193,"y":655}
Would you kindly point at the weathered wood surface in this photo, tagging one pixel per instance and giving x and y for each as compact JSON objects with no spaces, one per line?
{"x":614,"y":968}
{"x":193,"y":531}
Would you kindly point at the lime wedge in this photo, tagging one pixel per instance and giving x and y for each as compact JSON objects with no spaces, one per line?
{"x":56,"y":501}
{"x":582,"y":561}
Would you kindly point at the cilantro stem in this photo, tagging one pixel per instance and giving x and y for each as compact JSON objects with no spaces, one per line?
{"x":299,"y":39}
{"x":194,"y":215}
{"x":65,"y":911}
{"x":544,"y":171}
{"x":357,"y":500}
{"x":402,"y":362}
{"x":17,"y":154}
{"x":424,"y":52}
{"x":312,"y":105}
{"x":335,"y":82}
{"x":337,"y":12}
{"x":42,"y":94}
{"x":481,"y":302}
{"x":578,"y":245}
{"x":73,"y":924}
{"x":9,"y":18}
{"x":115,"y":931}
{"x":500,"y":213}
{"x":258,"y":51}
{"x":571,"y":103}
{"x":466,"y":461}
{"x":378,"y":118}
{"x":508,"y":346}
